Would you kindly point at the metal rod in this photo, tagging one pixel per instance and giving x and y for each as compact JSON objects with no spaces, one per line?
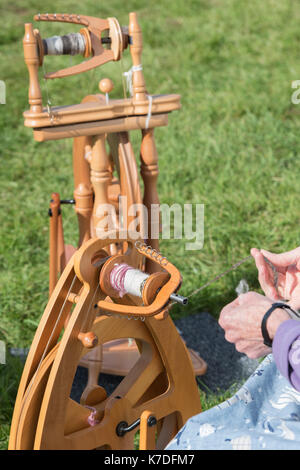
{"x":179,"y":299}
{"x":123,"y":427}
{"x":67,"y":201}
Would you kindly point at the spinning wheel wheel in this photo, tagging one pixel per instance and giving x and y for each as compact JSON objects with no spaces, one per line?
{"x":155,"y":386}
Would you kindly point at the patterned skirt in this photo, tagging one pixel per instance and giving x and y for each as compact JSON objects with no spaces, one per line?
{"x":263,"y":415}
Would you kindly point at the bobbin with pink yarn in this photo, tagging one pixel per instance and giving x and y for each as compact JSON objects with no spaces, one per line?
{"x":127,"y":280}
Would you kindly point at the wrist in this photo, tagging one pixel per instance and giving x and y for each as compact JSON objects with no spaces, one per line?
{"x":278,"y":316}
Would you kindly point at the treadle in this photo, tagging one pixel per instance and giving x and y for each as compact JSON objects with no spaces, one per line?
{"x":120,"y":356}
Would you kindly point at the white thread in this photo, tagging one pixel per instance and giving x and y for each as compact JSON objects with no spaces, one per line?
{"x":133,"y":281}
{"x":128,"y":76}
{"x":88,"y":155}
{"x":150,"y":98}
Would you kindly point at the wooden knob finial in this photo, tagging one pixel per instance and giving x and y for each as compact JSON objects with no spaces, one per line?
{"x":89,"y":339}
{"x":106,"y":85}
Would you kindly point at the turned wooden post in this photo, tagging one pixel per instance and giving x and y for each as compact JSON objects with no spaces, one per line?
{"x":149,"y":172}
{"x":136,"y":47}
{"x":83,"y":193}
{"x":100,"y":179}
{"x":32,"y":61}
{"x":83,"y":196}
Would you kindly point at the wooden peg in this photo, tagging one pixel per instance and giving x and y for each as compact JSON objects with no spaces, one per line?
{"x":89,"y":339}
{"x":73,"y":298}
{"x":106,"y":86}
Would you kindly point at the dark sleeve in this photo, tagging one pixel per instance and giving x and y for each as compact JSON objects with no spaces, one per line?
{"x":286,"y":351}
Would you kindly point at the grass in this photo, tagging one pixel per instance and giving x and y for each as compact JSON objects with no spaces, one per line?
{"x":234,"y":146}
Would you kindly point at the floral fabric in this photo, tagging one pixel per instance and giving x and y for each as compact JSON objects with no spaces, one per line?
{"x":263,"y":414}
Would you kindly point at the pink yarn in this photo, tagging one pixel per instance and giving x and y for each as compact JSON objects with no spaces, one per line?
{"x":117,"y":277}
{"x":91,"y":419}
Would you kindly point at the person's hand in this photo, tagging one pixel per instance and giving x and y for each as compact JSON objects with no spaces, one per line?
{"x":287,"y":267}
{"x":241,"y":320}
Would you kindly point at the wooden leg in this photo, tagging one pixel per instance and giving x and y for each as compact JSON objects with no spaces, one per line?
{"x":56,"y":244}
{"x":147,"y":431}
{"x":59,"y":253}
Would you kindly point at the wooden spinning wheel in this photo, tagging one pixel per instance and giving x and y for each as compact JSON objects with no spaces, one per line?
{"x":154,"y":388}
{"x":75,"y":330}
{"x":104,"y":165}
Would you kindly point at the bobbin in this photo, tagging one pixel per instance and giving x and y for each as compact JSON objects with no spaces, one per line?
{"x":150,"y":287}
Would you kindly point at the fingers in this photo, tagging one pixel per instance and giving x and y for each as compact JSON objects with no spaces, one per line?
{"x":283,"y":259}
{"x":254,"y":252}
{"x":252,"y":349}
{"x":265,"y":275}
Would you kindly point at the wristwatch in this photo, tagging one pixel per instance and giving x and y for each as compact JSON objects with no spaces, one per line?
{"x":294,"y":314}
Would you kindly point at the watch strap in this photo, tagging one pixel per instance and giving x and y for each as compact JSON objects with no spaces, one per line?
{"x":293,"y":314}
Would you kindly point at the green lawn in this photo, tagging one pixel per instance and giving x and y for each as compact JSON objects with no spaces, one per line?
{"x":234,"y":146}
